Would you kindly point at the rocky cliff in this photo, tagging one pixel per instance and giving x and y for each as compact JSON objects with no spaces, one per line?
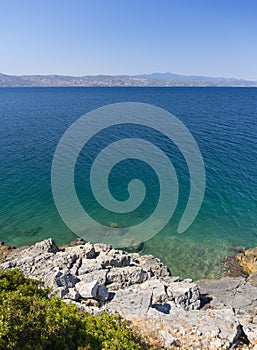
{"x":212,"y":314}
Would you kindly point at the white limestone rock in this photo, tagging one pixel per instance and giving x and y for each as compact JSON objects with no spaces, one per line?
{"x":131,"y":302}
{"x":123,"y":277}
{"x":87,"y":290}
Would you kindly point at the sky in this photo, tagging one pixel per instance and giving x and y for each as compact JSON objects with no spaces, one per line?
{"x":89,"y":37}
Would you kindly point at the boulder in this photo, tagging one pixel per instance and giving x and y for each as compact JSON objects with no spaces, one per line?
{"x":118,"y":278}
{"x":154,"y":266}
{"x":99,"y":275}
{"x":88,"y":265}
{"x":87,"y":290}
{"x":86,"y":250}
{"x":114,"y":258}
{"x":159,"y":294}
{"x":46,"y":246}
{"x":60,"y":279}
{"x":185,"y":294}
{"x":102,"y":247}
{"x":102,"y":293}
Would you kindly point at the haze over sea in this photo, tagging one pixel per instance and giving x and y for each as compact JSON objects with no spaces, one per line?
{"x":223,"y":121}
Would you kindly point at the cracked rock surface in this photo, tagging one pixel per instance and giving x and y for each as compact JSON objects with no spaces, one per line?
{"x":213,"y":314}
{"x":237,"y":294}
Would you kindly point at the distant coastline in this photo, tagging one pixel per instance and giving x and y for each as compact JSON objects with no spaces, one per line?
{"x":144,"y":80}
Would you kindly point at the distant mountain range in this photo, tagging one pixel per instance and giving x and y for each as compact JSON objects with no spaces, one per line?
{"x":153,"y":79}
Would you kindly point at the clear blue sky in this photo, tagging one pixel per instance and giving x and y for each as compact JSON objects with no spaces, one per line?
{"x":80,"y":37}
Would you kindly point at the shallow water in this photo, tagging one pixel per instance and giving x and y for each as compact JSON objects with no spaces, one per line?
{"x":223,"y":121}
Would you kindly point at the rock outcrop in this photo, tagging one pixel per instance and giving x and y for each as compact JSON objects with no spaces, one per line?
{"x":212,"y":314}
{"x":248,"y":260}
{"x":238,"y":295}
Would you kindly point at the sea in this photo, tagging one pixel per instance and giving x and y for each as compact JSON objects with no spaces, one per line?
{"x":223,"y":122}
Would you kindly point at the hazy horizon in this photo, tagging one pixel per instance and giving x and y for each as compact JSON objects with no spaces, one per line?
{"x":203,"y":38}
{"x":132,"y":75}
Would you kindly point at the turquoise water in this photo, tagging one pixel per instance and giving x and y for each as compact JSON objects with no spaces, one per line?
{"x":223,"y":121}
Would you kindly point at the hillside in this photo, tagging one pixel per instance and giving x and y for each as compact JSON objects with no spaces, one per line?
{"x":153,"y":79}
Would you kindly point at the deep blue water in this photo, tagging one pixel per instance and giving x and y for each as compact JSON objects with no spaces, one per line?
{"x":223,"y":121}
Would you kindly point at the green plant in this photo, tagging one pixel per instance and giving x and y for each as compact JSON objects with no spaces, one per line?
{"x":29,"y":320}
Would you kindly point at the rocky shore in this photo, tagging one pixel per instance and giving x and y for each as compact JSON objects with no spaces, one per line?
{"x":210,"y":314}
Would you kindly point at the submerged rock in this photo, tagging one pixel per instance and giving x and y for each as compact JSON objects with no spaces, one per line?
{"x":232,"y":267}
